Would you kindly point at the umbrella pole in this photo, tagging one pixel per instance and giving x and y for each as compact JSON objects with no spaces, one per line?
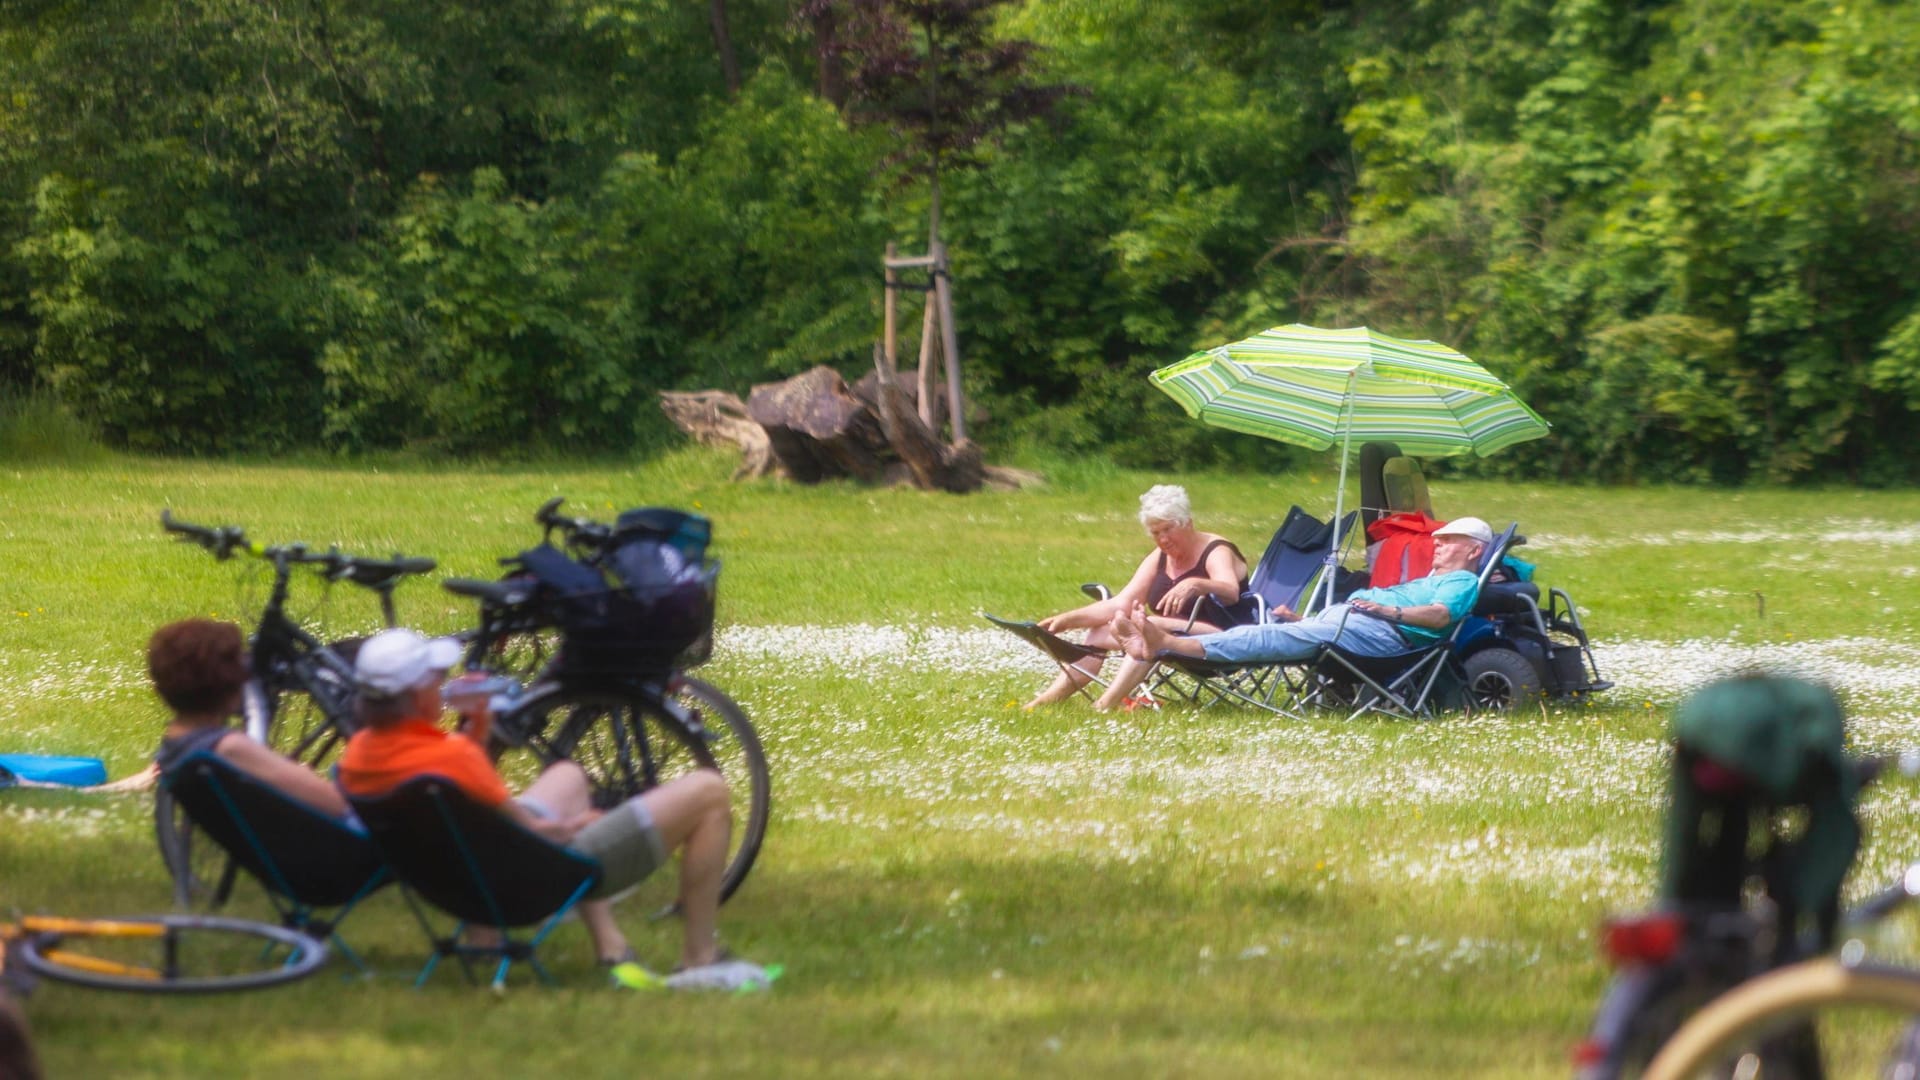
{"x":1327,"y":573}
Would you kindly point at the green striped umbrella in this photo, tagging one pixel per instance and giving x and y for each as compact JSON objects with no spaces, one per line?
{"x":1317,"y":388}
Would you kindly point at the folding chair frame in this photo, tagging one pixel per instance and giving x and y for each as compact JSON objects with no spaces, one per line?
{"x":476,"y":872}
{"x":258,"y":858}
{"x":1388,"y":692}
{"x":1067,"y":654}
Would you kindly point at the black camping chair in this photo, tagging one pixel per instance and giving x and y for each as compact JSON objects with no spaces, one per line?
{"x":307,"y":862}
{"x":1407,"y":685}
{"x":478,"y":865}
{"x":1287,"y":571}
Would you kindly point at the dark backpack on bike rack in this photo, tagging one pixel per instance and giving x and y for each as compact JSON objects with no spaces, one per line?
{"x":643,"y":604}
{"x":1747,"y":751}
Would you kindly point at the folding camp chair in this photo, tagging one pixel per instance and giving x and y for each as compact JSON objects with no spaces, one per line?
{"x":478,"y":865}
{"x":1292,"y":560}
{"x":1405,"y":685}
{"x":306,"y":861}
{"x":1287,"y":570}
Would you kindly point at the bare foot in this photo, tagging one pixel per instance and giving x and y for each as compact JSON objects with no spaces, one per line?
{"x":1137,"y":635}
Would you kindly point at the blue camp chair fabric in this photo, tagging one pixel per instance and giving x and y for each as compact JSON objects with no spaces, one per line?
{"x":478,"y":865}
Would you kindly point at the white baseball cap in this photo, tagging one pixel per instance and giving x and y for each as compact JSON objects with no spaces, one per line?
{"x":392,"y":662}
{"x":1470,"y":527}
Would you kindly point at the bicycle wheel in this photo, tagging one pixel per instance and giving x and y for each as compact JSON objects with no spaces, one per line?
{"x":203,"y":876}
{"x":167,"y":954}
{"x":1815,"y":1020}
{"x":307,"y":717}
{"x":735,"y":747}
{"x":629,"y":740}
{"x":521,"y":654}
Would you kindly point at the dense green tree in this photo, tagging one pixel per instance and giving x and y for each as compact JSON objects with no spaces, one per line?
{"x":1678,"y":226}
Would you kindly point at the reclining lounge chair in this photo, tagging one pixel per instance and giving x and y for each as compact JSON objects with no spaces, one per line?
{"x":1407,"y":685}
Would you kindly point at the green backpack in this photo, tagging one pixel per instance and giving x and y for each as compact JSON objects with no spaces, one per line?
{"x":1745,"y":750}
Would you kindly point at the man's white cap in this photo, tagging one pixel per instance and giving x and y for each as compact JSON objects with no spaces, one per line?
{"x":392,"y":662}
{"x":1470,"y":527}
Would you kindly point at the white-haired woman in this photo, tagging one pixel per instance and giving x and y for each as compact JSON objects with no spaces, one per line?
{"x":1186,"y":568}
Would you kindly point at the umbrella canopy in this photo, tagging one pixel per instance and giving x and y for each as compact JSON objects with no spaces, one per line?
{"x":1318,"y":388}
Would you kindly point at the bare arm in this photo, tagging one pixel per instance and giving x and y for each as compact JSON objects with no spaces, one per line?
{"x":288,"y":776}
{"x":1430,"y":616}
{"x":1100,"y":612}
{"x":560,"y":832}
{"x":1225,"y":571}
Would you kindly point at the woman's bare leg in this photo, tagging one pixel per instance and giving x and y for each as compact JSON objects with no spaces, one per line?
{"x":1075,"y":676}
{"x":1132,"y":671}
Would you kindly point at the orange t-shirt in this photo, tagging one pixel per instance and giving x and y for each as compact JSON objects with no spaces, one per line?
{"x":377,"y":760}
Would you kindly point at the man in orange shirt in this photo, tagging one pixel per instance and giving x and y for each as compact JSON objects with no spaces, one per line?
{"x":399,"y":674}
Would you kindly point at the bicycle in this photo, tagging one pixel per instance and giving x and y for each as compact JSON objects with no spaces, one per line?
{"x":629,"y":730}
{"x":300,"y":698}
{"x":1718,"y":993}
{"x":157,"y":954}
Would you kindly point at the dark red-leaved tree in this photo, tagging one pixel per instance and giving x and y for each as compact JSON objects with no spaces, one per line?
{"x":934,"y":73}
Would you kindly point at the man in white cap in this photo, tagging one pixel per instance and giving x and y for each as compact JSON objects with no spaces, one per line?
{"x":399,"y":675}
{"x":1373,"y":622}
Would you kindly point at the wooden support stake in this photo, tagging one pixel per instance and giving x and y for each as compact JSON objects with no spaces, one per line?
{"x":891,"y":353}
{"x":949,"y":344}
{"x":926,"y":365}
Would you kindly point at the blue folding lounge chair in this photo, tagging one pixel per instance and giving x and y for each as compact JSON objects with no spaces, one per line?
{"x":478,"y":865}
{"x":314,"y":867}
{"x":1287,"y":570}
{"x":1405,"y":685}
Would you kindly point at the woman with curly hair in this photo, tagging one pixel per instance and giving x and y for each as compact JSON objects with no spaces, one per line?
{"x":199,"y":667}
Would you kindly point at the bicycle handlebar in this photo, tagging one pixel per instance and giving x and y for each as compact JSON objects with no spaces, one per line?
{"x":579,"y":531}
{"x":221,"y":540}
{"x":335,"y":565}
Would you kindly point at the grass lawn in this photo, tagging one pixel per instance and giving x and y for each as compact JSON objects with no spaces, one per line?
{"x":956,"y":887}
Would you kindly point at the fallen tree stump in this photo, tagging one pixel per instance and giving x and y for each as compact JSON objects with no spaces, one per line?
{"x":814,"y":427}
{"x":718,"y":418}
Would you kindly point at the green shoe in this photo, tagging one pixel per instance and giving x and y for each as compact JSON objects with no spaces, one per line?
{"x":628,"y":975}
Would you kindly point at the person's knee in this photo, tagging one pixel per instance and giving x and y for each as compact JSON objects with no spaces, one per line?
{"x":564,"y":771}
{"x":707,"y":788}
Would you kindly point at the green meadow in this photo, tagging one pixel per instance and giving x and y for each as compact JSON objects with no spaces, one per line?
{"x":956,"y":887}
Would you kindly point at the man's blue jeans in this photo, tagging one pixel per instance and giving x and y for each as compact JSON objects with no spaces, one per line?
{"x":1281,"y":643}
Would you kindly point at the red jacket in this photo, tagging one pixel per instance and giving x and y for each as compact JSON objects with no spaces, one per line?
{"x":1406,"y":547}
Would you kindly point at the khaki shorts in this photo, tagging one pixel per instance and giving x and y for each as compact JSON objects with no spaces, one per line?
{"x":626,"y":842}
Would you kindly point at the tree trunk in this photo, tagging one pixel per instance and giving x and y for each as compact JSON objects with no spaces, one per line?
{"x":717,"y":418}
{"x":957,"y":468}
{"x":723,"y":44}
{"x":818,"y":428}
{"x":830,"y":72}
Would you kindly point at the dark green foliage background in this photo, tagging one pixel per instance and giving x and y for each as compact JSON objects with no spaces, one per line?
{"x":1683,"y":229}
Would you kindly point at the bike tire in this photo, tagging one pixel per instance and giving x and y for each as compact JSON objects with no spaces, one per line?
{"x":1850,"y":1010}
{"x":735,"y":746}
{"x":523,"y":651}
{"x":627,"y":742}
{"x":197,"y":954}
{"x":308,"y":721}
{"x":203,"y":875}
